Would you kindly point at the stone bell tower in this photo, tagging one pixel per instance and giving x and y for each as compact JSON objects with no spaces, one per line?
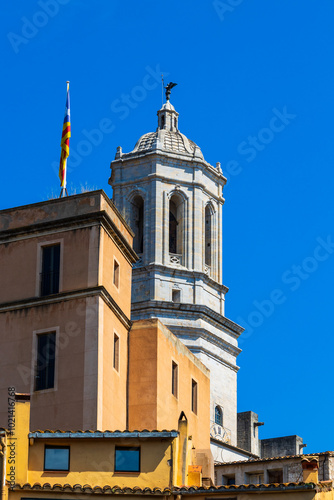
{"x":173,"y":200}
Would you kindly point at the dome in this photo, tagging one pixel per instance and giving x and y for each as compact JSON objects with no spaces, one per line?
{"x":167,"y":136}
{"x":167,"y":140}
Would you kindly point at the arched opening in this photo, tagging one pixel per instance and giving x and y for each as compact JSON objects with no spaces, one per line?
{"x":176,"y":225}
{"x":208,"y":236}
{"x":137,"y":223}
{"x":162,"y":121}
{"x":218,"y":416}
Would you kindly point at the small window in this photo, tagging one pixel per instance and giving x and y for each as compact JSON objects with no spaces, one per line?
{"x":256,"y":478}
{"x":57,"y":458}
{"x":176,"y":296}
{"x":174,"y":378}
{"x":116,"y":274}
{"x":45,"y":363}
{"x":275,"y":476}
{"x":116,"y":352}
{"x":228,"y":479}
{"x":127,"y":459}
{"x":50,"y":269}
{"x":218,"y":415}
{"x":194,"y":396}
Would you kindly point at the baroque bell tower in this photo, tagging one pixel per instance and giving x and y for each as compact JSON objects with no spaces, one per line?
{"x":173,"y":200}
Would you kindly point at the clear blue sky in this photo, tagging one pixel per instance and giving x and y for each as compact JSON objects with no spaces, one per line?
{"x":255,"y":92}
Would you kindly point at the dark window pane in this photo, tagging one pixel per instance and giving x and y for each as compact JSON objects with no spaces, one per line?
{"x":56,"y":458}
{"x":218,"y":416}
{"x":50,"y":269}
{"x":127,"y":459}
{"x":172,"y":233}
{"x":194,"y":396}
{"x":116,"y":352}
{"x":46,"y":355}
{"x":174,"y":378}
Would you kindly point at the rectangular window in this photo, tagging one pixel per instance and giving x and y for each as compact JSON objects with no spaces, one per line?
{"x":45,"y":366}
{"x":116,"y":274}
{"x":256,"y":478}
{"x":57,"y":458}
{"x":176,"y":296}
{"x":127,"y":459}
{"x":228,"y":479}
{"x":275,"y":476}
{"x":50,"y":269}
{"x":174,"y":378}
{"x":116,"y":352}
{"x":194,"y":396}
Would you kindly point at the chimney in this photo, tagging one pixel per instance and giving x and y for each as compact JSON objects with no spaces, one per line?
{"x":310,"y":468}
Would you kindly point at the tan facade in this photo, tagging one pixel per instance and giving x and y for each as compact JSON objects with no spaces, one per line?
{"x":154,"y":352}
{"x":85,"y":314}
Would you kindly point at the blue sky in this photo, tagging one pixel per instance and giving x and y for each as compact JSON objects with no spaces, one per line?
{"x":255,"y":92}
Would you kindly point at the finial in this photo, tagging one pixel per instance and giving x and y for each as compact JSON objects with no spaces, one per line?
{"x":168,"y":88}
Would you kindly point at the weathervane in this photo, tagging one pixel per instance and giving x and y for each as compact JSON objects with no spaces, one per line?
{"x":168,"y":88}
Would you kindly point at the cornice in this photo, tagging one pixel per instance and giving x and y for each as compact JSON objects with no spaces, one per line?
{"x":68,"y":224}
{"x":192,"y":310}
{"x":168,"y":180}
{"x":64,"y":296}
{"x":181,"y":271}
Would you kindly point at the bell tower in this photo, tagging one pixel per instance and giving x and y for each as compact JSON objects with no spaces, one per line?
{"x":173,"y":200}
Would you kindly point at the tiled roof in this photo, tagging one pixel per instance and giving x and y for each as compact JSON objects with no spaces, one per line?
{"x":268,"y":459}
{"x":190,"y":490}
{"x":87,"y":488}
{"x":52,"y":434}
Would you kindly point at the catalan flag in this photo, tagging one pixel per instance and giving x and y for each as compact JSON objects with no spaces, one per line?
{"x":65,"y":140}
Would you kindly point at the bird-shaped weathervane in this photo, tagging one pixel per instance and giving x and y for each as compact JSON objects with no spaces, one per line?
{"x":168,"y":88}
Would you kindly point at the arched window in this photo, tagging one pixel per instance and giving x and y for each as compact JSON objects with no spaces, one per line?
{"x":176,"y":225}
{"x":218,"y":415}
{"x":162,"y":121}
{"x":208,"y":234}
{"x":137,"y":223}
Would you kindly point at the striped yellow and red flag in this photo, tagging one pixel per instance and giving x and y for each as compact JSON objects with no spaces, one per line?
{"x":65,"y":140}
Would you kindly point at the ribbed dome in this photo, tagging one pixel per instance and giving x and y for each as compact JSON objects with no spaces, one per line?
{"x":167,"y":140}
{"x":167,"y":136}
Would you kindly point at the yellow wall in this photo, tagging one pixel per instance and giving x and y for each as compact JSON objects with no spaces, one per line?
{"x":151,"y":402}
{"x":122,"y":294}
{"x":112,"y":393}
{"x":92,"y":462}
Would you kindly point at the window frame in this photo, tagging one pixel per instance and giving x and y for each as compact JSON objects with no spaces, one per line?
{"x":219,"y":408}
{"x":39,"y":370}
{"x":175,"y":379}
{"x":120,"y":448}
{"x":39,"y":264}
{"x":194,"y":396}
{"x":55,"y":330}
{"x":176,"y":294}
{"x":116,"y":351}
{"x":116,"y":275}
{"x":50,"y":446}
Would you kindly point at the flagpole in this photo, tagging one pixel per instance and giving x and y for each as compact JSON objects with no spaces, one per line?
{"x":63,"y":191}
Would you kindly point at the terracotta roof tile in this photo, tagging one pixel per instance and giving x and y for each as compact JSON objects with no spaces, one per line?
{"x":117,"y":490}
{"x":268,"y":459}
{"x":54,"y":431}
